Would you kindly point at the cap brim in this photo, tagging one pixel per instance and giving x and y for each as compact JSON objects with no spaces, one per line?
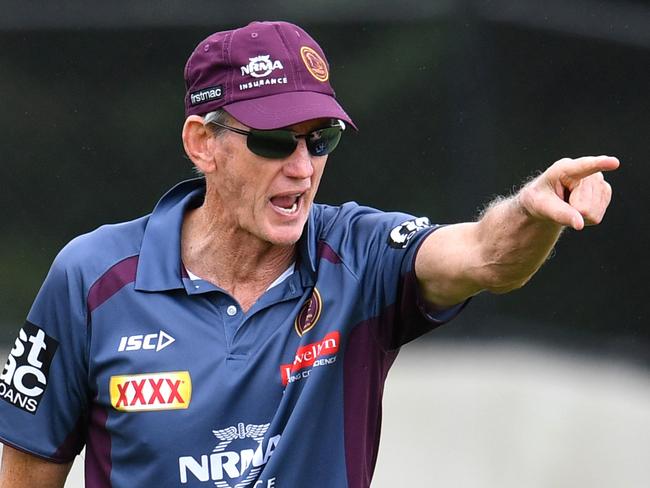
{"x":285,"y":109}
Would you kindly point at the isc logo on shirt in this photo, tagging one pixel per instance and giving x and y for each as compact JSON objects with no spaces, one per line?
{"x":152,"y":391}
{"x":24,"y":377}
{"x":152,"y":342}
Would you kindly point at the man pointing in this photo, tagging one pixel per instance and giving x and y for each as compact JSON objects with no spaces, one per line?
{"x":240,"y":334}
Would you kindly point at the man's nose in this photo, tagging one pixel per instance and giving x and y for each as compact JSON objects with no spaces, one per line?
{"x":299,"y":164}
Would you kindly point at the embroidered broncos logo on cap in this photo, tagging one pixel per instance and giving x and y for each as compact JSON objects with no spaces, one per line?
{"x":314,"y":63}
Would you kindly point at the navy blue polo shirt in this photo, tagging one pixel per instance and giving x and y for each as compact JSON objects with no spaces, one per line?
{"x":167,"y":382}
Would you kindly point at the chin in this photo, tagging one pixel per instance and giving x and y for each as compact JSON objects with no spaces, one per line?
{"x":281,"y":230}
{"x":283,"y":238}
{"x":283,"y":234}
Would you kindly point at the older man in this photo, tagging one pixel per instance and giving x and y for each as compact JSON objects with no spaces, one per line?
{"x":240,"y":334}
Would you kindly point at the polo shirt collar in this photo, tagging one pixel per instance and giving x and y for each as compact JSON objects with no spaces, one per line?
{"x":159,"y":265}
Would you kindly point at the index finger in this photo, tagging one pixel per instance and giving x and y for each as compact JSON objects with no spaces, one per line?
{"x":580,"y":168}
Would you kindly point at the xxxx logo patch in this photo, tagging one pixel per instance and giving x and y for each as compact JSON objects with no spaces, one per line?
{"x":152,"y":391}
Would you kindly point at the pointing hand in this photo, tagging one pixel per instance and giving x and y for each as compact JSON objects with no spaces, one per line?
{"x":571,"y":192}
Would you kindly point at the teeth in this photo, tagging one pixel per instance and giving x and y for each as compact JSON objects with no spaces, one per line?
{"x":289,"y":211}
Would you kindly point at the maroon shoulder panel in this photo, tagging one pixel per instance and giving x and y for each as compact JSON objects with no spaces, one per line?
{"x":116,"y":278}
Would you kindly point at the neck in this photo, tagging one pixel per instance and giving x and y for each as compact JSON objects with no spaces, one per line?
{"x":235,"y":260}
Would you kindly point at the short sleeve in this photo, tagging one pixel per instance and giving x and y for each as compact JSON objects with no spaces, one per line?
{"x":381,"y":248}
{"x":43,"y":383}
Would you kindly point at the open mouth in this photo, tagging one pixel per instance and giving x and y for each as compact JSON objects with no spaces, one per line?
{"x":287,"y":204}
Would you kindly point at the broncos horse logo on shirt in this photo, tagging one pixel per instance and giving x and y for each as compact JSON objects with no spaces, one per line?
{"x":309,"y":313}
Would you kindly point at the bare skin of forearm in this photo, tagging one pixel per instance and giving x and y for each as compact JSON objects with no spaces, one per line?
{"x":498,"y":253}
{"x":21,"y":470}
{"x":514,"y":244}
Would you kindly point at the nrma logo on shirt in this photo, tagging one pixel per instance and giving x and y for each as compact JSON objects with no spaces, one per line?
{"x":24,"y":377}
{"x":236,"y":461}
{"x":152,"y":391}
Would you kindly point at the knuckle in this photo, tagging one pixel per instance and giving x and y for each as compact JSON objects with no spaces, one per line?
{"x":563,"y":161}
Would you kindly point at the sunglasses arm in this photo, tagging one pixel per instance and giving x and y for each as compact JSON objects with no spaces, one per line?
{"x":230,"y":128}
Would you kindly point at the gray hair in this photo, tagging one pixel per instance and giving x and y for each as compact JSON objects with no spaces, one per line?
{"x":219,"y":116}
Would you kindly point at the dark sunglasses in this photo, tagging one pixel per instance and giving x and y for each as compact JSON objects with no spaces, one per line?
{"x":281,"y":143}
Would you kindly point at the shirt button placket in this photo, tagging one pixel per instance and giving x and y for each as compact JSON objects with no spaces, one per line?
{"x":232,"y":322}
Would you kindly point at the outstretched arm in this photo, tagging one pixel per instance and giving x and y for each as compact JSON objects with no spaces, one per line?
{"x":514,"y":236}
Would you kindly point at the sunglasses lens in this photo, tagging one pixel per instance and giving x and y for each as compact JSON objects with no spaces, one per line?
{"x":273,"y":144}
{"x":323,"y":141}
{"x":278,"y":144}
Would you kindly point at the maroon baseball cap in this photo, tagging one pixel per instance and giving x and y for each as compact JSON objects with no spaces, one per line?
{"x":267,"y":75}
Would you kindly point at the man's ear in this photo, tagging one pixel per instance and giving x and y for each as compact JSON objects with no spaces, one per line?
{"x":197,"y":143}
